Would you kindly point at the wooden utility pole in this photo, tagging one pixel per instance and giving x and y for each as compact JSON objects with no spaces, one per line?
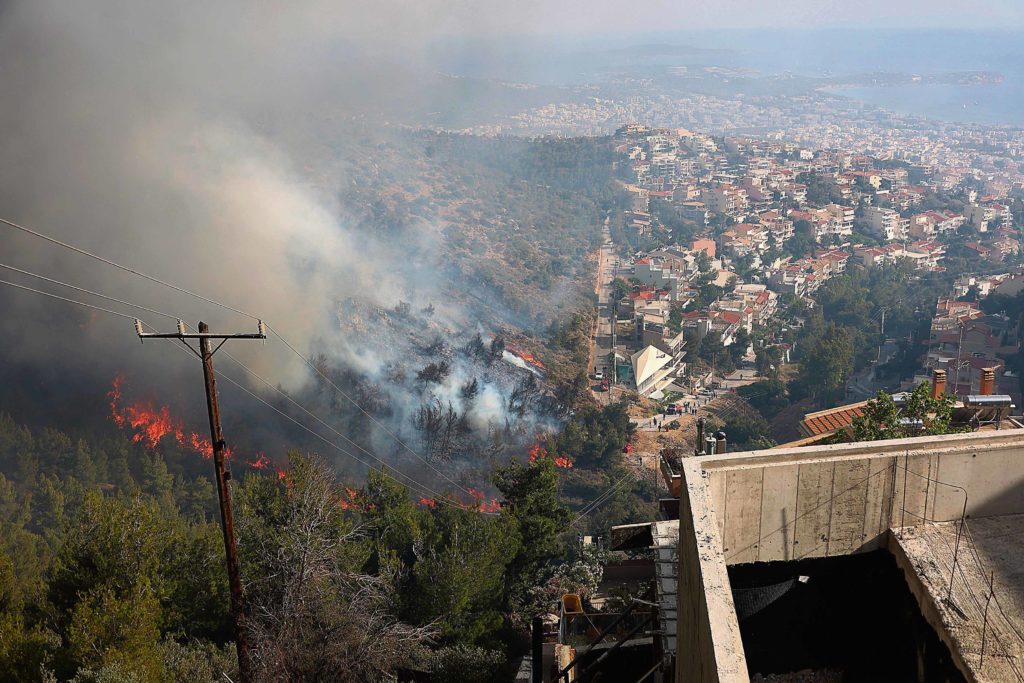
{"x":222,"y":473}
{"x":227,"y":520}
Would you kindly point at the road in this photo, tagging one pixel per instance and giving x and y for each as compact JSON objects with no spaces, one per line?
{"x":601,"y":335}
{"x":727,"y":384}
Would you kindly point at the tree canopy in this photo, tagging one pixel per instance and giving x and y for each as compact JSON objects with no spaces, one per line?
{"x":920,"y":414}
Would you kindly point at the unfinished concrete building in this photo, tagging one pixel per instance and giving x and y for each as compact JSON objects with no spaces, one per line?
{"x":884,"y":561}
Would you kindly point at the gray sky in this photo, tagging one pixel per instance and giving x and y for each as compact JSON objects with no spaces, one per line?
{"x":581,"y":16}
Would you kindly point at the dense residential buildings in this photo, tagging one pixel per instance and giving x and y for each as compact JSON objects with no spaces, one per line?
{"x":723,"y":228}
{"x":887,"y":224}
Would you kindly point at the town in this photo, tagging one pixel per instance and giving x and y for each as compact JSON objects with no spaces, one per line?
{"x":728,"y":240}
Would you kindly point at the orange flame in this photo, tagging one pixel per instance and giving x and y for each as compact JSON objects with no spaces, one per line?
{"x":353,"y":501}
{"x":202,"y":446}
{"x":151,"y":425}
{"x":481,"y":503}
{"x":537,"y":451}
{"x":492,"y":506}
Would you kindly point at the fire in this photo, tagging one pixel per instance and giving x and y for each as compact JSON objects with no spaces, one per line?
{"x":492,"y":506}
{"x":203,"y":446}
{"x":537,"y":451}
{"x":151,"y":425}
{"x":481,"y":503}
{"x":351,"y":500}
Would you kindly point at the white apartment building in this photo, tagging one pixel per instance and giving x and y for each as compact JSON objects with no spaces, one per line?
{"x":886,"y":223}
{"x":842,"y":218}
{"x":727,"y":199}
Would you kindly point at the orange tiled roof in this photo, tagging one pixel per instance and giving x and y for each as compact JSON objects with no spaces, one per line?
{"x":829,"y":421}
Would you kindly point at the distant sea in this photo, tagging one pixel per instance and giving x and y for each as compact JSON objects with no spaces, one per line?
{"x":814,"y":53}
{"x":923,"y":52}
{"x":998,"y":104}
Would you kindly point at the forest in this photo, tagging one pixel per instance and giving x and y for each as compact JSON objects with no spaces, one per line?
{"x":112,"y":562}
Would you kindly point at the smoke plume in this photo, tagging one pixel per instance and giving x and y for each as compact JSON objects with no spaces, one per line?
{"x":205,"y":144}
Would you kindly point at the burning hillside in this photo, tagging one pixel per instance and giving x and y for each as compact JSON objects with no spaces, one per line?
{"x":151,"y":425}
{"x":457,"y":395}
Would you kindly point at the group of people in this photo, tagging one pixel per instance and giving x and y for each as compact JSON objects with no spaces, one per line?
{"x":687,"y":408}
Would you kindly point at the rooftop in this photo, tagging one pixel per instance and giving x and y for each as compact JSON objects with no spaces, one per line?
{"x":774,"y":511}
{"x":990,"y":556}
{"x":832,"y":420}
{"x":647,"y":362}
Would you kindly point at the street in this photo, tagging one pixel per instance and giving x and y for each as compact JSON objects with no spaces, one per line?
{"x":601,"y":337}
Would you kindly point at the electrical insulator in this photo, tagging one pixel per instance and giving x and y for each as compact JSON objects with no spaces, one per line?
{"x":138,"y":327}
{"x":262,"y":328}
{"x":181,"y":328}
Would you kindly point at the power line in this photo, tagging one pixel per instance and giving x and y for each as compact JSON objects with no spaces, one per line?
{"x":243,"y":366}
{"x":72,"y":301}
{"x":377,"y":422}
{"x":235,"y":310}
{"x":88,"y":291}
{"x":602,"y":499}
{"x":413,"y":485}
{"x":291,"y":400}
{"x":334,"y":445}
{"x":592,"y":505}
{"x":124,"y":268}
{"x":422,"y":487}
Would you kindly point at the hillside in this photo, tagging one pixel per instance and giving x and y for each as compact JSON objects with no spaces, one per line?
{"x":519,"y":218}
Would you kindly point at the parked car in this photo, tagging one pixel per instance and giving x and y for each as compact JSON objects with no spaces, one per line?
{"x":599,"y":375}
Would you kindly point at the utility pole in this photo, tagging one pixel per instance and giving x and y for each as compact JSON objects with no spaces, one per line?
{"x":222,"y":473}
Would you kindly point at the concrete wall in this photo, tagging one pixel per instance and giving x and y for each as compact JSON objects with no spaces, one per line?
{"x":834,"y":500}
{"x":816,"y":502}
{"x":709,"y":645}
